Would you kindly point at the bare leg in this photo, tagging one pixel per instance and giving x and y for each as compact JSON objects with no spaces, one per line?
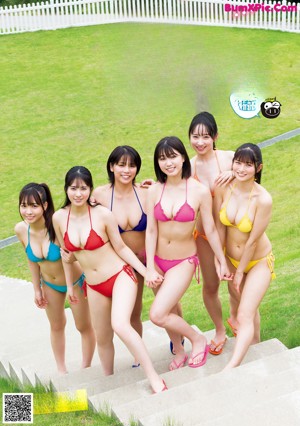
{"x":136,"y":316}
{"x":234,"y":299}
{"x":210,"y":289}
{"x":175,"y":338}
{"x":256,"y":284}
{"x":57,"y":319}
{"x":81,"y":314}
{"x":124,"y":296}
{"x":256,"y":337}
{"x":100,"y":310}
{"x":136,"y":320}
{"x":175,"y":284}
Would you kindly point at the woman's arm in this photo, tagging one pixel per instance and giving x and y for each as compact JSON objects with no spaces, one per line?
{"x":217,"y":204}
{"x":67,"y":266}
{"x":97,"y":196}
{"x":212,"y":234}
{"x":227,"y":175}
{"x":39,"y":300}
{"x":118,"y":244}
{"x":146,"y":183}
{"x":261,"y":221}
{"x":151,"y":239}
{"x":224,"y":178}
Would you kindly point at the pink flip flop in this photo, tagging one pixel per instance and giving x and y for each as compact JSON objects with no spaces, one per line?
{"x":165,"y":388}
{"x":203,"y":360}
{"x":174,"y":365}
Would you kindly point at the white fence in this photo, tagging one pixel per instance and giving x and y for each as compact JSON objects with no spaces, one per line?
{"x":56,"y":14}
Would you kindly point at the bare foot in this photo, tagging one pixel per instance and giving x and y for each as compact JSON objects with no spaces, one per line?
{"x":159,"y":386}
{"x":199,"y":352}
{"x":178,"y":361}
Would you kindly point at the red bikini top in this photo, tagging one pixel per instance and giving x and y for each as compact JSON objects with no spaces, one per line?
{"x":93,"y":241}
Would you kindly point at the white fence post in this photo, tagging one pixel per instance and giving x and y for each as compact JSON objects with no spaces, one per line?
{"x":65,"y":13}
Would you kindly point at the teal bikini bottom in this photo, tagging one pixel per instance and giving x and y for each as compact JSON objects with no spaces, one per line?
{"x":63,"y":288}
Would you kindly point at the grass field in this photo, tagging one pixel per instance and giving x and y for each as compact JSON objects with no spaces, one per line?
{"x":70,"y":96}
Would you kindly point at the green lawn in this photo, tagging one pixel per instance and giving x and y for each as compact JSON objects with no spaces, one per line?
{"x":70,"y":96}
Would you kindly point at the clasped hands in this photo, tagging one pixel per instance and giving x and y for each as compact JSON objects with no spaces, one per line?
{"x":153,"y":279}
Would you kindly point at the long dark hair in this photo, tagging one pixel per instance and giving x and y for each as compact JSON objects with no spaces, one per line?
{"x":128,"y":153}
{"x":167,"y":146}
{"x":78,"y":173}
{"x":39,"y":193}
{"x":249,"y":152}
{"x":208,"y":121}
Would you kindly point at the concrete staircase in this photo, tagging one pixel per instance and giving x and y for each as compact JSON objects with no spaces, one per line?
{"x":264,"y":390}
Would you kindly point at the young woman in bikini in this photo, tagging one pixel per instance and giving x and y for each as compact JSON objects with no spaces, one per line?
{"x":36,"y":233}
{"x":172,"y":208}
{"x":92,"y":234}
{"x":243,"y":212}
{"x":212,"y":168}
{"x":127,"y":201}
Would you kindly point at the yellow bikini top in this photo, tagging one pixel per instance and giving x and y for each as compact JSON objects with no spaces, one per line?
{"x":245,"y":224}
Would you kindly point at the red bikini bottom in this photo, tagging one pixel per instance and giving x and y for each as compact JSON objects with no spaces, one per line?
{"x":106,"y":287}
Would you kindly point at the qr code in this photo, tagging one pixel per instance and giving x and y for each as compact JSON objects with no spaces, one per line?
{"x":17,"y":408}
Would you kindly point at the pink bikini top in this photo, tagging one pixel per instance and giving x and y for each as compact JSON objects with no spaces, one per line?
{"x":93,"y":241}
{"x":185,"y":214}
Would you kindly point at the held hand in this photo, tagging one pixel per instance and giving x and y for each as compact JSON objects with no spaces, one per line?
{"x":237,"y":279}
{"x":146,"y":183}
{"x":223,"y":271}
{"x":73,"y":299}
{"x":67,"y":256}
{"x":224,"y":178}
{"x":40,"y":301}
{"x":153,"y":278}
{"x":159,"y":279}
{"x":93,"y":201}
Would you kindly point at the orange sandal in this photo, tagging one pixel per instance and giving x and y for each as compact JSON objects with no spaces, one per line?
{"x":232,"y":328}
{"x":218,"y":347}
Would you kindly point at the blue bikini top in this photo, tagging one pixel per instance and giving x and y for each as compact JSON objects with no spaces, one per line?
{"x":141,"y":226}
{"x":52,"y":256}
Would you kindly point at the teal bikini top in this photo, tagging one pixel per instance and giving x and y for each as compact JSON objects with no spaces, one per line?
{"x":52,"y":256}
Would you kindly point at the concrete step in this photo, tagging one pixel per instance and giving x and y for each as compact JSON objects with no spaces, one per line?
{"x":283,"y":410}
{"x":246,"y":386}
{"x":157,"y":343}
{"x":130,"y":395}
{"x":92,"y":378}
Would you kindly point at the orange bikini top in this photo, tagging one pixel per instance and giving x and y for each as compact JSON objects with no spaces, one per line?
{"x":196,"y":177}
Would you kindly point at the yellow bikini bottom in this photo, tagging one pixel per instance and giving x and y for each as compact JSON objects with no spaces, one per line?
{"x":270,"y":260}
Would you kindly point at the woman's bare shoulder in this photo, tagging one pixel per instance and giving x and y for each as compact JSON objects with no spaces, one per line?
{"x":198,"y":186}
{"x":154,"y":188}
{"x":225,"y":158}
{"x":101,"y":210}
{"x":20,"y":228}
{"x":60,"y":213}
{"x":102,"y":193}
{"x":142,"y":192}
{"x":264,"y":197}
